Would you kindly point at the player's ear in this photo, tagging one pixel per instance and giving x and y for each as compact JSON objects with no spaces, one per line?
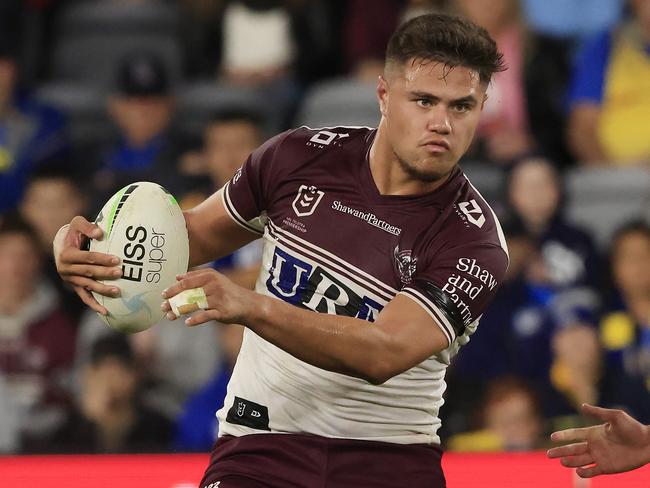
{"x":382,"y":94}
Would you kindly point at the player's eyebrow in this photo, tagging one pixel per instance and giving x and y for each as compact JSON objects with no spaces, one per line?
{"x":467,"y":100}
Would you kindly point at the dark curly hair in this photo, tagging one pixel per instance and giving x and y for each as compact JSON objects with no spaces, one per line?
{"x":447,"y":39}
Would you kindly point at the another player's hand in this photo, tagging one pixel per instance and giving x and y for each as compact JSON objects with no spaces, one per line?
{"x":83,"y":268}
{"x":621,"y":444}
{"x":227,"y":302}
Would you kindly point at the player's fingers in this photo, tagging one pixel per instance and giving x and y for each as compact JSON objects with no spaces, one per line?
{"x":166,"y":307}
{"x":81,"y":225}
{"x":570,"y":435}
{"x":589,"y":472}
{"x":89,"y":284}
{"x":71,"y":255}
{"x":92,"y":271}
{"x":196,"y":272}
{"x":577,"y":461}
{"x":195,"y":280}
{"x":201,"y":317}
{"x":89,"y":300}
{"x":568,"y":450}
{"x":605,"y":414}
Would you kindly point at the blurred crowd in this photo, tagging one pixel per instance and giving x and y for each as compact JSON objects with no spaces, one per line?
{"x":95,"y":94}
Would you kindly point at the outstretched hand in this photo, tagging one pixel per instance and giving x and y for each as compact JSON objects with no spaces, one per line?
{"x":83,"y":268}
{"x":620,"y":444}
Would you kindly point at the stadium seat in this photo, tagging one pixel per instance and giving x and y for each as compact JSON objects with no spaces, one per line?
{"x":199,"y":100}
{"x":93,"y":36}
{"x":84,"y":107}
{"x":487,"y":178}
{"x":602,"y":199}
{"x":341,"y":101}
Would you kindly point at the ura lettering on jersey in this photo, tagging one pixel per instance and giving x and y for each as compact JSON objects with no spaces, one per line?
{"x":313,"y":287}
{"x":458,"y":283}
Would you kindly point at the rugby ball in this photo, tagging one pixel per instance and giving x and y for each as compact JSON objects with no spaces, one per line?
{"x":144,"y":226}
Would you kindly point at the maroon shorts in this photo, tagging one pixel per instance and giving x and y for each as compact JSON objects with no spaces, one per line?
{"x":309,"y":461}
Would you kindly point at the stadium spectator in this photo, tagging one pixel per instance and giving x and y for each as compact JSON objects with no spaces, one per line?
{"x":53,"y":196}
{"x":109,"y":416}
{"x":577,"y":363}
{"x":273,"y":47}
{"x":229,"y":137}
{"x":366,"y":35}
{"x":145,"y":147}
{"x":512,"y":411}
{"x":509,"y":419}
{"x":625,"y":327}
{"x":524,"y":111}
{"x":535,"y":196}
{"x":609,"y":96}
{"x":568,"y":276}
{"x":197,"y":426}
{"x":572,"y":19}
{"x":173,"y":362}
{"x":31,"y":134}
{"x":37,"y":338}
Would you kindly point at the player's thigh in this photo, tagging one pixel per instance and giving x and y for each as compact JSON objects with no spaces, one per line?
{"x":265,"y":460}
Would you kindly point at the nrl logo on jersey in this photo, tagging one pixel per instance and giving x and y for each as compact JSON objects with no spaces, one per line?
{"x":406,"y":264}
{"x":306,"y":200}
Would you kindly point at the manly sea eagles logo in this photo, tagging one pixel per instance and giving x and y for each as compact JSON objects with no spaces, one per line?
{"x":306,"y":200}
{"x":405,"y":263}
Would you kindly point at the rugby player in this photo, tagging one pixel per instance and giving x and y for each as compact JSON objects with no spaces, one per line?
{"x":379,"y":259}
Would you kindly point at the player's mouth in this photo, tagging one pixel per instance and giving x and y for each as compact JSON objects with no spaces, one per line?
{"x":436,"y":145}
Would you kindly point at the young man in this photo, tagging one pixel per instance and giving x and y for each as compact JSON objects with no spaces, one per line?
{"x":378,"y":231}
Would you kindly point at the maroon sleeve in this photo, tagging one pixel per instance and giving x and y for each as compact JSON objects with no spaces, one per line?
{"x":246,"y":195}
{"x":458,"y":284}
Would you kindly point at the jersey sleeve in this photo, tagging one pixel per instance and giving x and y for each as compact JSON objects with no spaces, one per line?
{"x":456,"y":286}
{"x":248,"y":193}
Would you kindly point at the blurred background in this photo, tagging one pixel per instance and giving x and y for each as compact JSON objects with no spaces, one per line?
{"x":98,"y":93}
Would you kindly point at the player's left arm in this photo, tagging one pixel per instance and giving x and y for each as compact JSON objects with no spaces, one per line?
{"x":448,"y":294}
{"x":403,"y":335}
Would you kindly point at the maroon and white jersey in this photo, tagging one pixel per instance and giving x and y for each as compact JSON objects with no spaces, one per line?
{"x":333,"y":244}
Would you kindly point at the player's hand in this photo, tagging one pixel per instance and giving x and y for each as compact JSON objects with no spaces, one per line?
{"x":83,"y":268}
{"x":227,"y":302}
{"x":621,"y":444}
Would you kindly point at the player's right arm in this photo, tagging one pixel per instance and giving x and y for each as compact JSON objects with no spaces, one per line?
{"x":211,"y":232}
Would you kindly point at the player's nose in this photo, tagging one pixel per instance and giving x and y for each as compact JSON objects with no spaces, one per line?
{"x":438,"y":120}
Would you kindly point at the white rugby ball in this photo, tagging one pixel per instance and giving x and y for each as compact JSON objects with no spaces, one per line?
{"x":144,"y":226}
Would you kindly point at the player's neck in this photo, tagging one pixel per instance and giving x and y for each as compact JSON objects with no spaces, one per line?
{"x":387,"y":172}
